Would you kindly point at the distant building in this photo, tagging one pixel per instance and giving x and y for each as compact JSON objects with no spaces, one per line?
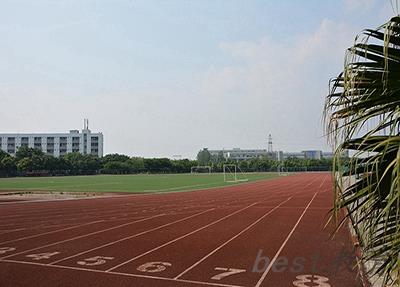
{"x":55,"y":144}
{"x":244,"y":154}
{"x":238,"y":154}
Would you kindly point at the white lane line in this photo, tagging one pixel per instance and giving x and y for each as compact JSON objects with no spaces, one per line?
{"x":284,"y":243}
{"x":11,"y":230}
{"x":325,"y":178}
{"x":181,"y":237}
{"x":118,"y":273}
{"x":50,"y":232}
{"x":80,"y":236}
{"x":132,"y":236}
{"x":231,"y":239}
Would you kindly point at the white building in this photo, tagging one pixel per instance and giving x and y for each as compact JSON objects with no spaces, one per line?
{"x":56,"y":144}
{"x":244,"y":154}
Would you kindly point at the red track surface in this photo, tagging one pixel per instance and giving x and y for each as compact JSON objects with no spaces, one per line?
{"x":200,"y":238}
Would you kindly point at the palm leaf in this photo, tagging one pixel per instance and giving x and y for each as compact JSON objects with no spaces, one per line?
{"x":362,"y":114}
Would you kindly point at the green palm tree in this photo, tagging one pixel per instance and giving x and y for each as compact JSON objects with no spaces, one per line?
{"x":362,"y":115}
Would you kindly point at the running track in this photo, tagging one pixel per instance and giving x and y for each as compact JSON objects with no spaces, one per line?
{"x":267,"y":233}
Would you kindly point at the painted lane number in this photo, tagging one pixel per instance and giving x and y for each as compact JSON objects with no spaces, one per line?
{"x":94,"y":261}
{"x":41,"y":256}
{"x":4,"y":250}
{"x":313,"y":279}
{"x":154,"y":267}
{"x":227,"y":272}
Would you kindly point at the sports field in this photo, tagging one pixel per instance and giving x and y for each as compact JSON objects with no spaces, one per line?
{"x":124,"y":183}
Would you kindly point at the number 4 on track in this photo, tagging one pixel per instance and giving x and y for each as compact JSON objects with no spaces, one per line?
{"x":41,"y":256}
{"x":228,"y":272}
{"x":4,"y":250}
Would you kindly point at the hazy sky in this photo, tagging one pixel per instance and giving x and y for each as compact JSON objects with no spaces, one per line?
{"x":164,"y":78}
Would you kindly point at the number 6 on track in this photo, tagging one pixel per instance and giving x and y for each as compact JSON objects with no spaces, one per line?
{"x":228,"y":272}
{"x":153,"y":267}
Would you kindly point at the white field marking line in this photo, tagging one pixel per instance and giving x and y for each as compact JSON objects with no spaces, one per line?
{"x":325,"y":178}
{"x":117,"y":273}
{"x":82,"y":236}
{"x":284,"y":243}
{"x":181,"y":237}
{"x":132,"y":236}
{"x":231,"y":239}
{"x":49,"y":232}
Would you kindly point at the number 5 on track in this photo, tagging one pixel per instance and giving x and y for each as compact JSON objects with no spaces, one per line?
{"x":94,"y":261}
{"x":228,"y":272}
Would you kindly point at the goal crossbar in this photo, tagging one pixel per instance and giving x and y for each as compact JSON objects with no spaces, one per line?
{"x":233,"y":169}
{"x":196,"y":169}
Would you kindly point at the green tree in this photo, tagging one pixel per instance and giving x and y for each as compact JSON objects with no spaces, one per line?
{"x":204,"y":157}
{"x":363,"y":115}
{"x":27,"y":152}
{"x":8,"y":165}
{"x":115,"y":157}
{"x":137,"y":164}
{"x":33,"y":163}
{"x":116,"y":167}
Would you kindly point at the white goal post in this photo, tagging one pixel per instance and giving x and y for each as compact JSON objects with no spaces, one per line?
{"x":283,"y":171}
{"x":201,"y":169}
{"x":231,"y":173}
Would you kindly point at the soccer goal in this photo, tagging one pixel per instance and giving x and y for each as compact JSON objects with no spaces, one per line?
{"x":282,"y":171}
{"x":233,"y":173}
{"x":201,"y":169}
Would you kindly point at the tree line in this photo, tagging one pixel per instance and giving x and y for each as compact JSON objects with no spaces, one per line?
{"x":33,"y":162}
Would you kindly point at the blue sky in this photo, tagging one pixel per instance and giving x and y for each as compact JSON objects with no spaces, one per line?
{"x":161,"y":78}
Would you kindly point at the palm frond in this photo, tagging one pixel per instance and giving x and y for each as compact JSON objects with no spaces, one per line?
{"x":362,"y":114}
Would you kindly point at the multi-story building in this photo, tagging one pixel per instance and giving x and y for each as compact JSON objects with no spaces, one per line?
{"x":55,"y":144}
{"x":243,"y":154}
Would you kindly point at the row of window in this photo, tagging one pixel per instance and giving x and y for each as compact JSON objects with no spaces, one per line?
{"x":11,"y":150}
{"x":48,"y":139}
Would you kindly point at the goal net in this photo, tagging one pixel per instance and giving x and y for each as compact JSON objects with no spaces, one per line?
{"x":232,"y":173}
{"x":201,"y":169}
{"x":282,"y":171}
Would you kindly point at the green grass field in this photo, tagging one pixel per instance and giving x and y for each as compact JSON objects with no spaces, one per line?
{"x":123,"y":183}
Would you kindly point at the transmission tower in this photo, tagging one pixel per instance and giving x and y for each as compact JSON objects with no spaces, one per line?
{"x":270,"y":143}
